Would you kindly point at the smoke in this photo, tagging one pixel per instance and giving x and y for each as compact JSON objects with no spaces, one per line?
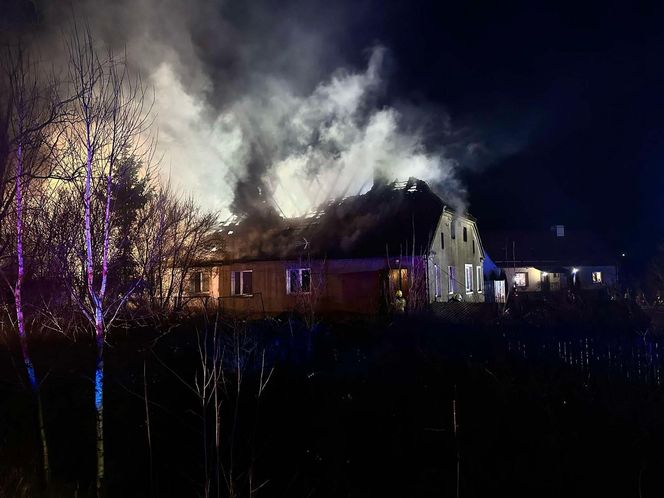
{"x":258,"y":110}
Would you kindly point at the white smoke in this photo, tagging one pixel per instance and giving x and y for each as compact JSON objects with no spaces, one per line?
{"x":242,"y":98}
{"x":328,"y":144}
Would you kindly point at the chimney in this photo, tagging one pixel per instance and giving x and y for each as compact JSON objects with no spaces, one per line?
{"x":559,"y":230}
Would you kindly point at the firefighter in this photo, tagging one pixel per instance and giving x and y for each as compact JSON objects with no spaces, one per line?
{"x":400,"y":303}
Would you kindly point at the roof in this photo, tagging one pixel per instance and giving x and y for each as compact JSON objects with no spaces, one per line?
{"x":390,"y":219}
{"x":545,"y":248}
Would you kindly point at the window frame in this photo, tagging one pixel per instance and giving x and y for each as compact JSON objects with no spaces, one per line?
{"x":289,"y":285}
{"x":240,"y":273}
{"x":468,"y":272}
{"x":437,"y":283}
{"x":199,"y":275}
{"x":451,"y":279}
{"x":525,"y":279}
{"x":479,"y":270}
{"x":594,"y":278}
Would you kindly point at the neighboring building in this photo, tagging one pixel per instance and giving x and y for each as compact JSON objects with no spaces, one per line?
{"x":350,"y":256}
{"x":553,"y":260}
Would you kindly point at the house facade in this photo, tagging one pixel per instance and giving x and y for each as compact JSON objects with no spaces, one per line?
{"x":351,"y":256}
{"x":555,"y":260}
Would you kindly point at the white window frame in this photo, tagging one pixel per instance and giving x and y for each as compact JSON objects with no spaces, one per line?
{"x":525,"y":279}
{"x":436,"y":281}
{"x":240,"y":273}
{"x":480,"y":278}
{"x":199,"y":275}
{"x":451,"y":279}
{"x":289,"y":286}
{"x":468,"y":271}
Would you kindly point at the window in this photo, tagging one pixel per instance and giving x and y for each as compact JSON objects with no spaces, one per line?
{"x":436,"y":280}
{"x":469,"y":278}
{"x":398,"y":279}
{"x":480,"y":278}
{"x":442,"y":241}
{"x":521,"y":279}
{"x":298,"y":280}
{"x":597,"y":277}
{"x":473,"y":246}
{"x":241,"y":283}
{"x":199,"y":282}
{"x":453,"y":230}
{"x":465,"y":234}
{"x":451,"y":279}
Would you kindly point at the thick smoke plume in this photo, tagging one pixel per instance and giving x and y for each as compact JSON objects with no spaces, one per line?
{"x":256,"y":108}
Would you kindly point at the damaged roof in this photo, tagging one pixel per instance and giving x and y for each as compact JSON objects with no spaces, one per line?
{"x":390,"y":219}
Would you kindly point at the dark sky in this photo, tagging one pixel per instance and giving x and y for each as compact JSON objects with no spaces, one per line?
{"x":578,"y":90}
{"x":568,"y":99}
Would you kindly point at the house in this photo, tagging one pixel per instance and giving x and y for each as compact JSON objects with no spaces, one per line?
{"x":351,"y":256}
{"x":559,"y":259}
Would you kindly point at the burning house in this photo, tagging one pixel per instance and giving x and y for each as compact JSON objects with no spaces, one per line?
{"x":351,"y":255}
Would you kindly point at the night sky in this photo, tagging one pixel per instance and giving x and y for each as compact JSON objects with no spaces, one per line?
{"x":566,"y":100}
{"x":576,"y":92}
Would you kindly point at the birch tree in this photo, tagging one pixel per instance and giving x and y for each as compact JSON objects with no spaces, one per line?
{"x":33,"y":109}
{"x":110,"y":117}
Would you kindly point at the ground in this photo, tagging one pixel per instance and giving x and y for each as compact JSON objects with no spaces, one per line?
{"x":356,"y":408}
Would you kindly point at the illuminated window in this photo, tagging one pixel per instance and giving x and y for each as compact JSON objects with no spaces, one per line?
{"x":199,"y":282}
{"x":480,"y":279}
{"x":451,"y":279}
{"x":597,"y":277}
{"x":469,"y":278}
{"x":298,"y":280}
{"x":436,"y":280}
{"x":241,"y":283}
{"x":521,"y":279}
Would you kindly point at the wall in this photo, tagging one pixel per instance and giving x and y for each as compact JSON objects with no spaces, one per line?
{"x":350,"y":286}
{"x":455,"y":253}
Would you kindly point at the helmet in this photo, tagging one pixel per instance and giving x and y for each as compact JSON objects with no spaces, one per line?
{"x":399,"y":293}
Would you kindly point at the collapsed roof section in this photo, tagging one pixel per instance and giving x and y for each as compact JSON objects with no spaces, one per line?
{"x":392,"y":219}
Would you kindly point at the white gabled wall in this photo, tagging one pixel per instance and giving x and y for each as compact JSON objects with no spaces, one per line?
{"x":456,"y":253}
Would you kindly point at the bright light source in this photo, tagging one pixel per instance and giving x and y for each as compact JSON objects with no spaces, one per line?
{"x":575,"y":270}
{"x":230,"y":232}
{"x":623,"y":255}
{"x":545,"y":274}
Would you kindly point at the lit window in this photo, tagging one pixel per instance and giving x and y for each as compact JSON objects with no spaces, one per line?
{"x":298,"y":280}
{"x":436,"y":280}
{"x":469,"y":278}
{"x":480,"y":279}
{"x":597,"y":277}
{"x":199,"y":282}
{"x":521,"y":279}
{"x":451,"y":279}
{"x":241,"y":283}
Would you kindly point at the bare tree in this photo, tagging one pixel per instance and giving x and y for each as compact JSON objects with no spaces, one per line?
{"x":173,"y":235}
{"x":110,"y":117}
{"x":33,"y":110}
